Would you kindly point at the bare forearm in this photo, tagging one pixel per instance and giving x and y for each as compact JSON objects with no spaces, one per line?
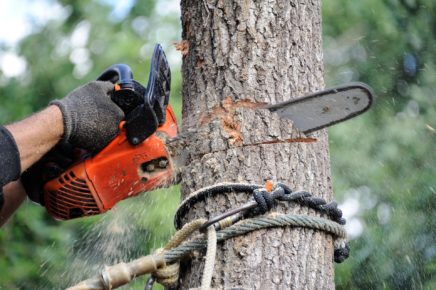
{"x":34,"y":137}
{"x":86,"y":118}
{"x":14,"y":195}
{"x":37,"y":134}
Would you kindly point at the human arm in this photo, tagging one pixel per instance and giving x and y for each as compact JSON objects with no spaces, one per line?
{"x":86,"y":118}
{"x":34,"y":137}
{"x":14,"y":195}
{"x":37,"y":134}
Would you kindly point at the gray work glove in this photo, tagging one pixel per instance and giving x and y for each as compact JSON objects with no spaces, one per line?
{"x":91,"y":118}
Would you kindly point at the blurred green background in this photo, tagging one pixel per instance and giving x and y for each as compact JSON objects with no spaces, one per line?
{"x":383,"y":162}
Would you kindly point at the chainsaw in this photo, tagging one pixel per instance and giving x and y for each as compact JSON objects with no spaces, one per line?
{"x":141,"y":158}
{"x":76,"y":183}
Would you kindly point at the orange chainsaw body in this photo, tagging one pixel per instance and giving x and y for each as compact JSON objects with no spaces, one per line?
{"x":121,"y":170}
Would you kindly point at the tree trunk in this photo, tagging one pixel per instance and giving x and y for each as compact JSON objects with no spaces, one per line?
{"x":239,"y":54}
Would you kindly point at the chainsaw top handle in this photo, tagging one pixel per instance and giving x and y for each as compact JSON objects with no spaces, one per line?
{"x":144,"y":108}
{"x":118,"y":73}
{"x":127,"y":95}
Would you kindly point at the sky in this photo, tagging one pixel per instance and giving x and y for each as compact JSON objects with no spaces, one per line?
{"x":17,"y":17}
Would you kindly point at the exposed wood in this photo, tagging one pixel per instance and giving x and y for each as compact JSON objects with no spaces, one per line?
{"x":243,"y":54}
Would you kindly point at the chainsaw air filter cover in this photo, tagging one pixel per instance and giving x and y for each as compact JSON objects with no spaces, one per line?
{"x":71,"y":197}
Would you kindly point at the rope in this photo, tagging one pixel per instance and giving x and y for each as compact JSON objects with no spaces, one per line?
{"x":206,"y":192}
{"x":169,"y":274}
{"x":249,"y":225}
{"x":263,"y":200}
{"x":181,"y":235}
{"x":210,"y":258}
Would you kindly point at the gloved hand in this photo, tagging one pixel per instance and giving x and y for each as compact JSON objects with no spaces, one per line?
{"x":90,"y":117}
{"x":91,"y":121}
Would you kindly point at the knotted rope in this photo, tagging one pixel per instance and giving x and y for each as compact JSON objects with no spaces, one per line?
{"x":165,"y":263}
{"x":169,"y":274}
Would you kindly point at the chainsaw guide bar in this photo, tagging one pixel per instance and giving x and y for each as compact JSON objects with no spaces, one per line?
{"x":326,"y":108}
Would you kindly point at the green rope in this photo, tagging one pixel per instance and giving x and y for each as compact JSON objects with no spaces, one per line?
{"x":257,"y":223}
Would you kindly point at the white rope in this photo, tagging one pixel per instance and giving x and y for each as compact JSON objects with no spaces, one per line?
{"x":210,"y":258}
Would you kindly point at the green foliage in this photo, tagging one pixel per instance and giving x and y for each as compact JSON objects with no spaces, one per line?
{"x":387,"y":160}
{"x":38,"y":252}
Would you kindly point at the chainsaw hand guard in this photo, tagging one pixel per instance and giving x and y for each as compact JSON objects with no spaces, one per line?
{"x":144,"y":107}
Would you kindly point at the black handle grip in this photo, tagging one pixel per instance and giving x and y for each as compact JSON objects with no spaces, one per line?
{"x":120,"y":73}
{"x":130,"y":95}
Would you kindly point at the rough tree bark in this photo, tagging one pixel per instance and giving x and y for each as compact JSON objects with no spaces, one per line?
{"x":238,"y":54}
